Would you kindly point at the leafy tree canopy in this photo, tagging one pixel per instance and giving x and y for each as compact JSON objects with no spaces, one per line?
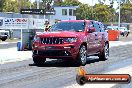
{"x":13,"y":5}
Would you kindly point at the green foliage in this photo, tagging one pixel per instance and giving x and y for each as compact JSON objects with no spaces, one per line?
{"x":44,"y":2}
{"x":14,"y":6}
{"x":84,"y":12}
{"x":10,"y":6}
{"x":71,"y":2}
{"x":68,"y":3}
{"x":103,"y":13}
{"x":126,"y":13}
{"x":1,"y":5}
{"x":98,"y":12}
{"x":126,"y":1}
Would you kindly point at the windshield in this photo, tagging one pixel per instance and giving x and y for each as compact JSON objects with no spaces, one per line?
{"x":112,"y":28}
{"x":123,"y":28}
{"x":68,"y":26}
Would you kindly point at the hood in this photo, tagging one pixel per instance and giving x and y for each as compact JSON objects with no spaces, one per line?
{"x":59,"y":34}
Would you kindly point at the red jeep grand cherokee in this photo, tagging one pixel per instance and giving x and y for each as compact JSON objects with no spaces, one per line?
{"x":71,"y":40}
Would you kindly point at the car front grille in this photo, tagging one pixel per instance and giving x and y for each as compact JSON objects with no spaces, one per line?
{"x":52,"y":40}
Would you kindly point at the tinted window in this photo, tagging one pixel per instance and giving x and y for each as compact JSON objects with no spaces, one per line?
{"x":97,"y":27}
{"x":1,"y":22}
{"x":64,"y":11}
{"x":102,"y":28}
{"x":112,"y":28}
{"x":68,"y":26}
{"x":74,"y":12}
{"x":70,"y":12}
{"x":91,"y":24}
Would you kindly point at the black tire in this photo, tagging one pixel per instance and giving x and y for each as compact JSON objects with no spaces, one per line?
{"x":123,"y":34}
{"x":82,"y":56}
{"x":105,"y":54}
{"x":3,"y":39}
{"x":39,"y":61}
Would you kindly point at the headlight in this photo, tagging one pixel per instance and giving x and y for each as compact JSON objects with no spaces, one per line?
{"x":70,"y":40}
{"x":36,"y":39}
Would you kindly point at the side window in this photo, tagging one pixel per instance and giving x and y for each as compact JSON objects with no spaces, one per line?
{"x":99,"y":24}
{"x":64,"y":11}
{"x":91,"y":24}
{"x":74,"y":12}
{"x":102,"y":27}
{"x":70,"y":12}
{"x":1,"y":22}
{"x":97,"y":27}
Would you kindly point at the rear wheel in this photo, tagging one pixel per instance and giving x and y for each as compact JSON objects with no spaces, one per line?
{"x":82,"y":56}
{"x":105,"y":54}
{"x":39,"y":61}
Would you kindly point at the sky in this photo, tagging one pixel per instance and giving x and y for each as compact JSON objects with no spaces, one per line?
{"x":93,"y":2}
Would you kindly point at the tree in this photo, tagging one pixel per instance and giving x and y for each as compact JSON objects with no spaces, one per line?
{"x":84,"y":12}
{"x":71,"y":2}
{"x":9,"y":6}
{"x":68,"y":3}
{"x":98,"y":12}
{"x":15,"y":5}
{"x":58,"y":2}
{"x":80,"y":13}
{"x":126,"y":13}
{"x":1,"y":5}
{"x":101,"y":1}
{"x":126,"y":1}
{"x":104,"y":13}
{"x":45,"y":3}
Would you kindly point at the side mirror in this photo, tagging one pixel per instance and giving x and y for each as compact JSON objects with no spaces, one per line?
{"x":91,"y":30}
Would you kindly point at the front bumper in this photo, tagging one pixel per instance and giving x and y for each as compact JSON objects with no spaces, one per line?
{"x":56,"y":52}
{"x":3,"y":36}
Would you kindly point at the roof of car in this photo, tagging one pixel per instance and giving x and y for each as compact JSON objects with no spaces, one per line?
{"x":122,"y":27}
{"x":75,"y":20}
{"x":112,"y":26}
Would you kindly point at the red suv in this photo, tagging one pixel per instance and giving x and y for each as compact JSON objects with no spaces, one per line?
{"x":71,"y":40}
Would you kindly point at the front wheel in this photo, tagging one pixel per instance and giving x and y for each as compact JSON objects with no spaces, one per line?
{"x":3,"y":39}
{"x":39,"y":61}
{"x":82,"y":56}
{"x":105,"y":54}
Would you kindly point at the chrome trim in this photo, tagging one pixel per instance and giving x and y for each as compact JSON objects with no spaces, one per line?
{"x":52,"y":40}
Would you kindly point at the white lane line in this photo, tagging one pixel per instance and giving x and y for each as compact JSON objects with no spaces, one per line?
{"x":119,"y":43}
{"x":12,"y":55}
{"x":2,"y":43}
